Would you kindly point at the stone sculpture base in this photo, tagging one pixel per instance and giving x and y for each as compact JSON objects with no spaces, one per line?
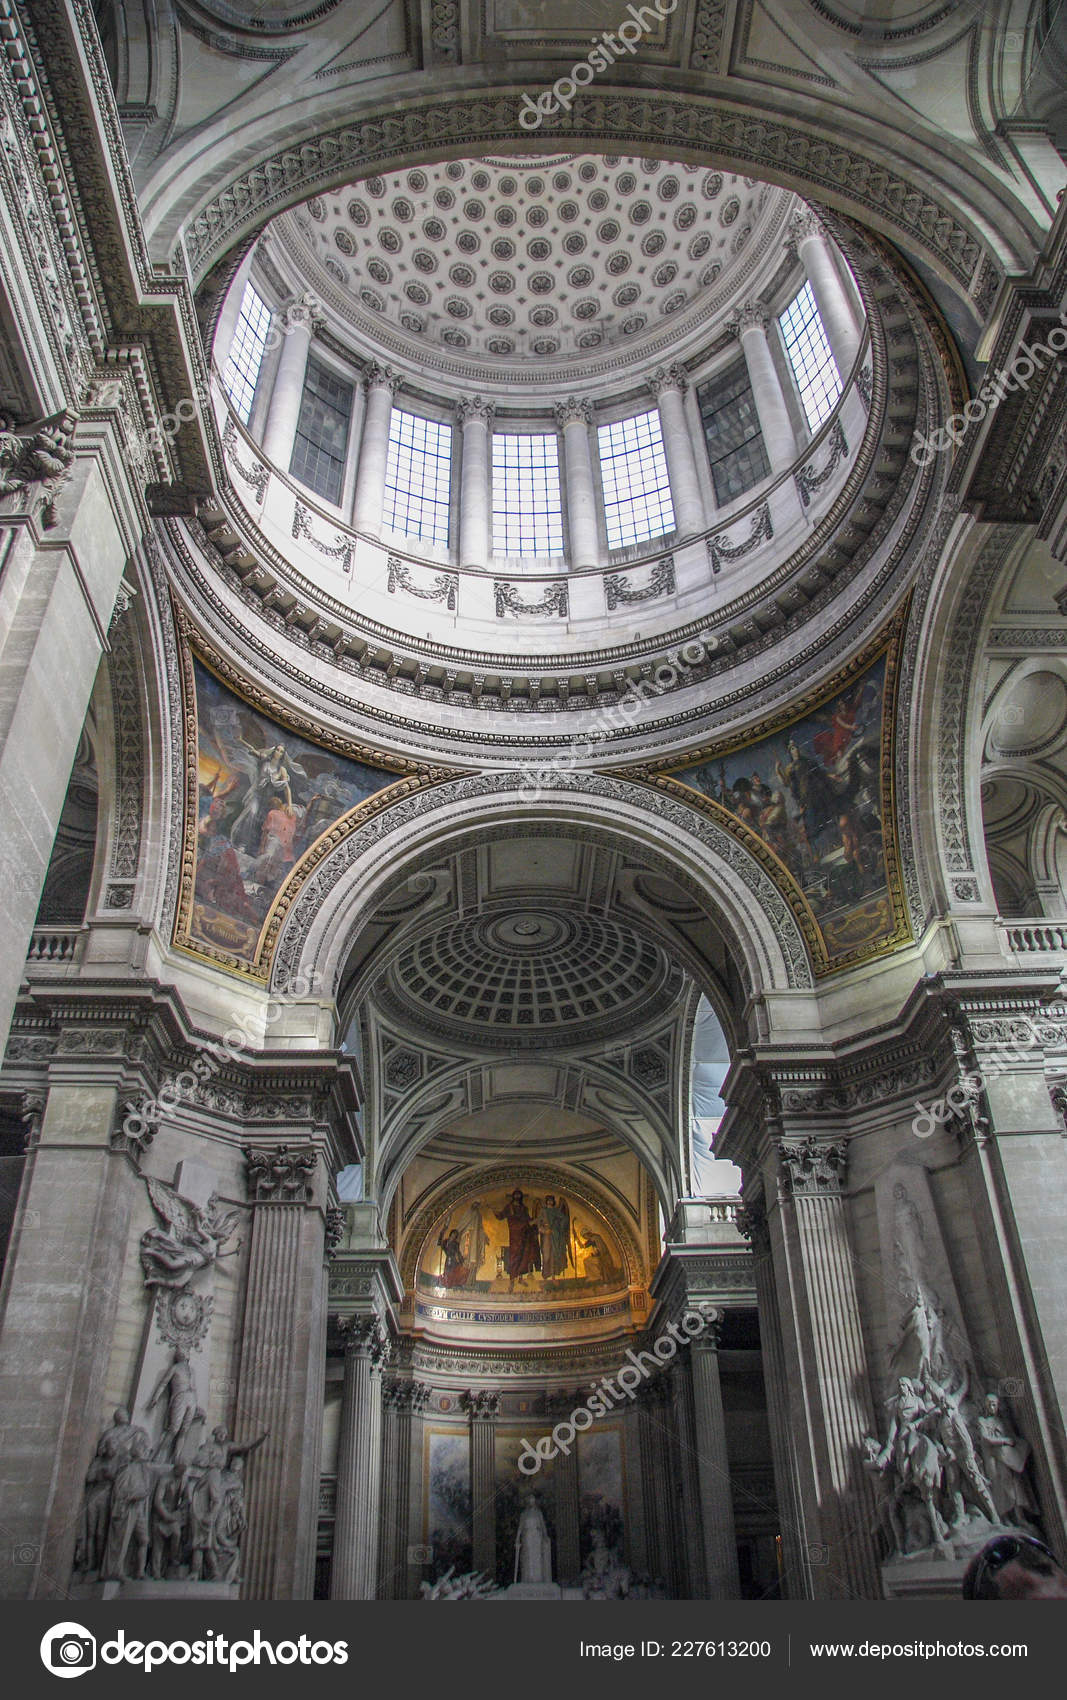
{"x":532,"y":1591}
{"x":923,"y":1578}
{"x":150,"y":1590}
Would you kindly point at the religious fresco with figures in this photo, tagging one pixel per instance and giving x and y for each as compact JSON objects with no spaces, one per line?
{"x":813,"y":798}
{"x":264,"y":796}
{"x":534,"y":1249}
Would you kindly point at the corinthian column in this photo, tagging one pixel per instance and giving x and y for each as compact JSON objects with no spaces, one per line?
{"x":482,"y":1409}
{"x":835,"y":310}
{"x":381,"y":386}
{"x":297,"y":323}
{"x":476,"y":418}
{"x":713,"y":1467}
{"x":574,"y":419}
{"x":826,"y":1365}
{"x":354,"y":1572}
{"x":749,"y":325}
{"x":669,"y":385}
{"x":280,"y":1378}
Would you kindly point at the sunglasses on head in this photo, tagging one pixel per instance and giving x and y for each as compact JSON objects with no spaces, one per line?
{"x":1001,"y":1552}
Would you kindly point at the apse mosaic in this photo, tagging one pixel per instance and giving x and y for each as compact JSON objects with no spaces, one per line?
{"x":817,"y":794}
{"x":264,"y":796}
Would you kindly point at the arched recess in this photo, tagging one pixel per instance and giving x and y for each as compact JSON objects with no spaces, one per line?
{"x":137,"y":700}
{"x":947,"y":626}
{"x":330,"y":907}
{"x":625,"y":1111}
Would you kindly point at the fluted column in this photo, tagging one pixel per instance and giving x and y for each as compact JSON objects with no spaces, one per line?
{"x":835,"y":310}
{"x":568,"y":1544}
{"x":688,"y":1498}
{"x":713,"y":1468}
{"x":475,"y":492}
{"x":400,"y":1401}
{"x":826,"y":1365}
{"x":482,"y":1409}
{"x":381,"y":386}
{"x":574,"y":420}
{"x":749,"y":325}
{"x":297,"y":322}
{"x":280,"y":1379}
{"x":753,"y":1224}
{"x":354,"y":1573}
{"x":669,"y":385}
{"x":654,"y":1433}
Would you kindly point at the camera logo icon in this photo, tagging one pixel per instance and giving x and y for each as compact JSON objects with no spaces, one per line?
{"x":68,"y":1650}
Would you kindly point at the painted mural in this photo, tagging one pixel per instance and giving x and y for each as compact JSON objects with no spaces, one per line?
{"x":448,"y":1499}
{"x":524,"y":1244}
{"x":264,"y":796}
{"x":815,"y":793}
{"x":601,"y":1489}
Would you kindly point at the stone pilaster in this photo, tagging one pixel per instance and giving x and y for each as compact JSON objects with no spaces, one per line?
{"x":653,"y":1417}
{"x":280,"y":1379}
{"x":686,"y":1475}
{"x":482,"y":1409}
{"x":826,"y":1365}
{"x":354,"y":1573}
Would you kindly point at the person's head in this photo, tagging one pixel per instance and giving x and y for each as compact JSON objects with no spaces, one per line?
{"x":992,"y":1404}
{"x":1014,"y":1567}
{"x":516,"y":1197}
{"x":121,"y":1417}
{"x":550,"y":1200}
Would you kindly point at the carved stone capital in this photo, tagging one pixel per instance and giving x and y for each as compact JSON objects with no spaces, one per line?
{"x":812,"y":1166}
{"x":381,"y":377}
{"x":280,"y":1174}
{"x":802,"y":224}
{"x":668,"y":378}
{"x":475,"y":407}
{"x":304,"y":314}
{"x":752,"y":1225}
{"x":336,"y":1221}
{"x":481,"y":1406}
{"x":752,"y":316}
{"x":572,"y":412}
{"x":364,"y":1336}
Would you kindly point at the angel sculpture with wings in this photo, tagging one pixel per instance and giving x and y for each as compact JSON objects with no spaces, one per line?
{"x":191,"y":1238}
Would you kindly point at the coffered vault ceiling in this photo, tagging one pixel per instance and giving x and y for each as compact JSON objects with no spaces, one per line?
{"x":567,"y":258}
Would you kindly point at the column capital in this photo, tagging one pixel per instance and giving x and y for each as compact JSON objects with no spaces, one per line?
{"x":381,"y":377}
{"x":365,"y":1337}
{"x":752,"y":316}
{"x":481,"y":1406}
{"x":476,"y":407}
{"x":303,"y":314}
{"x":813,"y":1166}
{"x":573,"y":411}
{"x":802,"y":224}
{"x":336,"y":1223}
{"x":668,"y":378}
{"x":280,"y":1174}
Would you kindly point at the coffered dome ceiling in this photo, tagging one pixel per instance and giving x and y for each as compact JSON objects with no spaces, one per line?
{"x":495,"y":978}
{"x":498,"y":269}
